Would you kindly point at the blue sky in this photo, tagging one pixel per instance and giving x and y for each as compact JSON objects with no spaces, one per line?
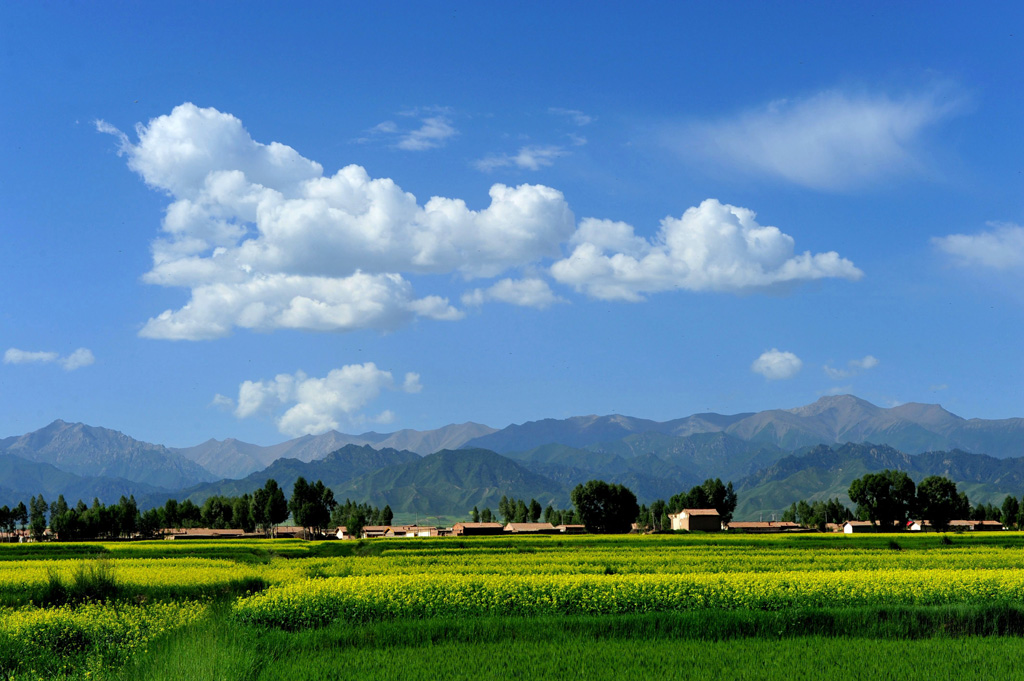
{"x":249,"y":220}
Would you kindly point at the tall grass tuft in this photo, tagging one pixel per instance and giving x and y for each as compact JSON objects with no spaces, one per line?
{"x":91,"y":580}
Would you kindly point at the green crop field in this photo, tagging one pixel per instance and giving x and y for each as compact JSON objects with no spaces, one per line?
{"x":666,"y":606}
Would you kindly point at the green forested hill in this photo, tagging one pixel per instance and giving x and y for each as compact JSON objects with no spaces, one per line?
{"x":452,"y":481}
{"x":824,"y":472}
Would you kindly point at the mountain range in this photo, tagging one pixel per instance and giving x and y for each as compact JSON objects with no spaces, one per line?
{"x":774,"y":457}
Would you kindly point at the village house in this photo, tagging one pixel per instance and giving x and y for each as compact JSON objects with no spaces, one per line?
{"x":858,"y":526}
{"x":209,"y":533}
{"x":696,"y":519}
{"x":409,"y":531}
{"x":375,"y":531}
{"x":763,"y":527}
{"x":571,"y":529}
{"x":531,"y":528}
{"x":476,"y":529}
{"x":975,"y":525}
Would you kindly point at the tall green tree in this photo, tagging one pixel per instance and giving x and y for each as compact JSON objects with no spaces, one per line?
{"x":60,"y":519}
{"x":605,"y":508}
{"x":276,"y":504}
{"x":937,"y":501}
{"x":535,"y":510}
{"x":21,"y":515}
{"x":522,"y":512}
{"x":311,"y":505}
{"x":710,"y":494}
{"x":507,"y":510}
{"x":37,"y":516}
{"x":885,"y":498}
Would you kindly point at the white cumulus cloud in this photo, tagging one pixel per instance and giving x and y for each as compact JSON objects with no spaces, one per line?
{"x":531,"y":292}
{"x":305,"y":405}
{"x":831,"y":140}
{"x":775,"y":365}
{"x":82,"y":357}
{"x":1000,"y":248}
{"x":263,"y":240}
{"x":712,"y":247}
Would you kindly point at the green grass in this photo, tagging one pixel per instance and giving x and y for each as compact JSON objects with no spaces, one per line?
{"x":910,"y":642}
{"x":922,"y":643}
{"x":808,"y":659}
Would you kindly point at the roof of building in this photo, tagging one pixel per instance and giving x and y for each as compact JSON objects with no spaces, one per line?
{"x":758,"y":524}
{"x":528,"y":527}
{"x":700,"y":511}
{"x":479,"y":526}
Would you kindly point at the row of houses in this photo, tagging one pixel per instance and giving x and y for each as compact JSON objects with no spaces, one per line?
{"x":858,"y":526}
{"x":709,"y":520}
{"x":690,"y":519}
{"x":458,"y":530}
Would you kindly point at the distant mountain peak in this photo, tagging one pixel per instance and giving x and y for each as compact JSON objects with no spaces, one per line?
{"x":835,"y":402}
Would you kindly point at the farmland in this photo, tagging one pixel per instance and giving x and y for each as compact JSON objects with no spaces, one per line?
{"x":569,"y":607}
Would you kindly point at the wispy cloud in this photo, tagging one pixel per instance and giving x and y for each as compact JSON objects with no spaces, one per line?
{"x":999,"y":248}
{"x":576,"y":116}
{"x":832,"y":140}
{"x":853,"y":367}
{"x":82,"y":357}
{"x":527,"y":158}
{"x":434,"y":131}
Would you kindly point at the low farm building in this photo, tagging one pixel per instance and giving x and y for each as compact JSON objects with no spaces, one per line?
{"x":763,"y":527}
{"x":975,"y":525}
{"x":209,"y":533}
{"x":375,"y":531}
{"x":531,"y":528}
{"x":859,"y":526}
{"x":405,"y":531}
{"x":571,"y":529}
{"x":696,"y":519}
{"x":476,"y":529}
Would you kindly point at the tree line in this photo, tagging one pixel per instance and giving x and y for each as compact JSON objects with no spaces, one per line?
{"x":891,"y":498}
{"x":710,"y":494}
{"x":514,"y":510}
{"x":311,"y":506}
{"x":817,"y":514}
{"x":604,"y":507}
